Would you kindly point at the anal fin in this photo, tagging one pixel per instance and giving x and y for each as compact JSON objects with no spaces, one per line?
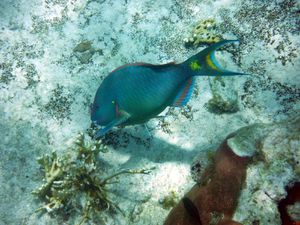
{"x":184,"y":93}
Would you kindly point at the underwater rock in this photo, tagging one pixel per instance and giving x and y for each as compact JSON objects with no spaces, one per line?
{"x":85,"y":57}
{"x":289,"y":207}
{"x":84,"y":51}
{"x":246,"y":140}
{"x":220,"y":195}
{"x":276,"y":166}
{"x":83,"y":46}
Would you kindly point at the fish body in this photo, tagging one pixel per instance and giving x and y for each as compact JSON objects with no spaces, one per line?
{"x":141,"y":90}
{"x":137,"y":92}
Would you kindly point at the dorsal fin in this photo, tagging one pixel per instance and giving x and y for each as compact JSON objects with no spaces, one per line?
{"x":143,"y":64}
{"x":184,"y":93}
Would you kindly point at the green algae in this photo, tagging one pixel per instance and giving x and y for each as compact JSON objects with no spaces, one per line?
{"x":170,"y":200}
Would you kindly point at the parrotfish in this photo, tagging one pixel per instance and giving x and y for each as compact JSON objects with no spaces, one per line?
{"x":135,"y":93}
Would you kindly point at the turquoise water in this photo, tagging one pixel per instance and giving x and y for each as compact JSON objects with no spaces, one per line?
{"x":55,"y":54}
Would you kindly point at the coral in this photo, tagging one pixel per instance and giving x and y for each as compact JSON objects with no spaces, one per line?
{"x":246,"y":140}
{"x":276,"y":161}
{"x":203,"y":33}
{"x":216,"y":198}
{"x":220,"y":196}
{"x":76,"y":183}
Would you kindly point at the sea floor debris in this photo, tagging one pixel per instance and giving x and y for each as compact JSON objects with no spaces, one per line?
{"x":78,"y":184}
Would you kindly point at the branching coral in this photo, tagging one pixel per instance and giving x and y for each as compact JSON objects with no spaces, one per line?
{"x":76,"y":183}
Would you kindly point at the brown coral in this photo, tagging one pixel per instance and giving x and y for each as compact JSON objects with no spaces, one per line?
{"x":215,"y":200}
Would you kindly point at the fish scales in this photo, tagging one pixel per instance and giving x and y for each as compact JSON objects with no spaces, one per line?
{"x":137,"y":92}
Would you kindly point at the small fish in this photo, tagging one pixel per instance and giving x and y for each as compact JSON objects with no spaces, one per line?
{"x":135,"y":93}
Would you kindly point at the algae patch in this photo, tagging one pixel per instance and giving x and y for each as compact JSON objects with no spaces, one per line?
{"x":222,"y":101}
{"x":170,"y":200}
{"x":59,"y":105}
{"x":78,"y":183}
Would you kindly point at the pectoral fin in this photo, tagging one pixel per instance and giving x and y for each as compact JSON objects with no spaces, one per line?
{"x":122,"y":117}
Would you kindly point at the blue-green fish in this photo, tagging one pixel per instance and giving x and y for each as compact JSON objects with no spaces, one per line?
{"x":135,"y":93}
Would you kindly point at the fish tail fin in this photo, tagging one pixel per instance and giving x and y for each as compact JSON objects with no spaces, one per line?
{"x":205,"y":64}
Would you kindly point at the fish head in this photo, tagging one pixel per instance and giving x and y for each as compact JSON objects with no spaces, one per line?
{"x":102,"y":112}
